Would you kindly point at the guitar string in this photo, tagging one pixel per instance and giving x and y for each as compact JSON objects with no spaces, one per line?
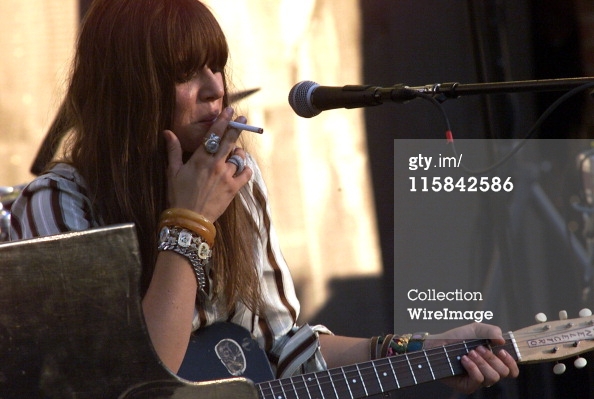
{"x":328,"y":384}
{"x":439,"y":365}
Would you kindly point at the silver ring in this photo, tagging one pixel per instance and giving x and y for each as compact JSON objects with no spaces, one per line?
{"x":237,"y":161}
{"x":211,"y":144}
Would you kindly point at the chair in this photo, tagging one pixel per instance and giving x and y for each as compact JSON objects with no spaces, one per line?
{"x":71,"y":324}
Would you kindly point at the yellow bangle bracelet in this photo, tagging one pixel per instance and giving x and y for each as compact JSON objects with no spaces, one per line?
{"x":191,"y":215}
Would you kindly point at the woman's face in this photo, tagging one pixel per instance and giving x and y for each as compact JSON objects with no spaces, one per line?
{"x":197,"y":104}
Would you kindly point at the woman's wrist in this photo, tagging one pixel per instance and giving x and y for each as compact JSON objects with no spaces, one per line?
{"x":391,"y":344}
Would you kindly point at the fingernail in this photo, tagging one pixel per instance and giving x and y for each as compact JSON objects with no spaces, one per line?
{"x":229,"y":111}
{"x":481,"y":349}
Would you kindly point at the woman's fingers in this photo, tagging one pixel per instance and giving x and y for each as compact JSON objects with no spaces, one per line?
{"x":174,"y":151}
{"x":213,"y":174}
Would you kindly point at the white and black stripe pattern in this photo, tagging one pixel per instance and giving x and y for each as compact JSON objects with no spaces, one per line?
{"x":53,"y":203}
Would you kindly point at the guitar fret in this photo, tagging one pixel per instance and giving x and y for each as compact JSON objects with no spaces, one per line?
{"x":275,"y":391}
{"x":298,"y":391}
{"x":438,"y":365}
{"x":346,"y":381}
{"x":455,"y":352}
{"x":353,"y":379}
{"x":284,"y":395}
{"x":362,"y":380}
{"x":429,"y":365}
{"x":378,"y":378}
{"x":290,"y":393}
{"x":411,"y":369}
{"x":332,"y":383}
{"x":460,"y":352}
{"x":445,"y":351}
{"x":386,"y":375}
{"x":299,"y":387}
{"x":394,"y":374}
{"x":268,"y":394}
{"x":261,"y":387}
{"x":370,"y":378}
{"x":318,"y":385}
{"x":403,"y":370}
{"x":420,"y":367}
{"x":306,"y":387}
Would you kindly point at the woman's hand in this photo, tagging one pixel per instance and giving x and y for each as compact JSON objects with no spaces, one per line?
{"x":484,"y":367}
{"x":206,"y":183}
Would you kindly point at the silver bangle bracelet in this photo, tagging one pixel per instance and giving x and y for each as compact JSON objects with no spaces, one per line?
{"x":189,"y":245}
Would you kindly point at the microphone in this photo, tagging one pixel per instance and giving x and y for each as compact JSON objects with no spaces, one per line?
{"x":308,"y":98}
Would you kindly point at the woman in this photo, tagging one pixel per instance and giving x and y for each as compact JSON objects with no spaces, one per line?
{"x":149,"y":142}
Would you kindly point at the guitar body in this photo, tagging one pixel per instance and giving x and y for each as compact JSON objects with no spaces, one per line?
{"x":224,"y":350}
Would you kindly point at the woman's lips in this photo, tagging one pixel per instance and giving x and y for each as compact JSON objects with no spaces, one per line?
{"x":210,"y":118}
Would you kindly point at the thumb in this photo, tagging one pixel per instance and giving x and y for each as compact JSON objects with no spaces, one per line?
{"x":174,"y":151}
{"x":488,"y":331}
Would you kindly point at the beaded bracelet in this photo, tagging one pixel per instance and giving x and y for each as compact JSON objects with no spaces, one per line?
{"x":391,"y":345}
{"x":189,"y":225}
{"x":189,"y":245}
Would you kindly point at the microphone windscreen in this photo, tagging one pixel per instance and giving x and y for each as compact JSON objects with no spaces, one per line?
{"x":300,"y":99}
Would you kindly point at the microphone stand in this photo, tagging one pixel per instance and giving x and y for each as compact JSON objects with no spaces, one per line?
{"x":452,"y":90}
{"x":444,"y":91}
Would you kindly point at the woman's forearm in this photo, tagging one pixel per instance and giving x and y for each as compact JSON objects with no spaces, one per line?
{"x":168,"y":307}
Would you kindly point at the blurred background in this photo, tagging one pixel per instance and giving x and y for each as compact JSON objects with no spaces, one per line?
{"x":352,"y":247}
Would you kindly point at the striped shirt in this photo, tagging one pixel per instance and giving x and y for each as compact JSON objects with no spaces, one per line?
{"x":57,"y":202}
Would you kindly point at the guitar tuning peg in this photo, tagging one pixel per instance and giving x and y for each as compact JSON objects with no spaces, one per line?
{"x":563,"y":315}
{"x":585,"y":312}
{"x":559,"y":368}
{"x":580,"y":363}
{"x":541,"y":317}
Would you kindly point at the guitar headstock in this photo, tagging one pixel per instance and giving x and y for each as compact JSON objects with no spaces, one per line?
{"x":556,"y":340}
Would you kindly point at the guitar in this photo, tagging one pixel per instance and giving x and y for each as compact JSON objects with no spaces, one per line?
{"x":227,"y":350}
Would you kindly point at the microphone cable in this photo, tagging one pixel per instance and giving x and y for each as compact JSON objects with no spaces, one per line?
{"x":513,"y":151}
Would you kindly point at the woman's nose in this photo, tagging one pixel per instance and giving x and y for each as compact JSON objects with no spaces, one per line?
{"x":212,"y":86}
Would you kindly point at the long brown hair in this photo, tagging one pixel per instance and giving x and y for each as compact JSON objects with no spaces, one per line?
{"x":130,"y":54}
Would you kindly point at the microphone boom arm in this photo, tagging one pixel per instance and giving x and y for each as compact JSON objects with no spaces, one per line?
{"x":308,"y":98}
{"x":444,"y":91}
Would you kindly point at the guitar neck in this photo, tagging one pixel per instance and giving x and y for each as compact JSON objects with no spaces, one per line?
{"x":377,"y":376}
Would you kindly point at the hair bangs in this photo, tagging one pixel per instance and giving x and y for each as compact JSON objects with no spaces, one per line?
{"x":198,"y":41}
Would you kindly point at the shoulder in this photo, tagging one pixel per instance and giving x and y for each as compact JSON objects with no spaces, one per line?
{"x":52,"y":203}
{"x":62,"y":177}
{"x":66,"y":174}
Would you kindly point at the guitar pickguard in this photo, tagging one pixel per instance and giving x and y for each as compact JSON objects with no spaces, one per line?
{"x":224,"y":350}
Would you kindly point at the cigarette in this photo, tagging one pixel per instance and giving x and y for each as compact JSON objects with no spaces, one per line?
{"x":249,"y":128}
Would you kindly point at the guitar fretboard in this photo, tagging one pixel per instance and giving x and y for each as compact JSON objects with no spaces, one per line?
{"x":377,"y":376}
